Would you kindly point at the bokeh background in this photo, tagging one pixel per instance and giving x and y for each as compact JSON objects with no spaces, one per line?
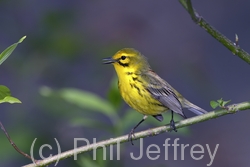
{"x":66,"y":41}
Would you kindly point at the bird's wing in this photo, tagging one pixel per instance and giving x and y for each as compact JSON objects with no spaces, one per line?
{"x":163,"y":93}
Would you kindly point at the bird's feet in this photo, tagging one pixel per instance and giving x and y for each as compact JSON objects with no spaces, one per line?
{"x":172,"y":125}
{"x":131,"y":135}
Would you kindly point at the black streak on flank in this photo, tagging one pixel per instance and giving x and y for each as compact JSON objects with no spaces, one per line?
{"x":123,"y":64}
{"x":136,"y":79}
{"x":138,"y":89}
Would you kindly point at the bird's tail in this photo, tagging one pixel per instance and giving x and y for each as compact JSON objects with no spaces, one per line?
{"x":192,"y":107}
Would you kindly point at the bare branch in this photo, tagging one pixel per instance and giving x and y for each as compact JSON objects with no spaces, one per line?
{"x":235,"y":49}
{"x":12,"y":143}
{"x":231,"y":109}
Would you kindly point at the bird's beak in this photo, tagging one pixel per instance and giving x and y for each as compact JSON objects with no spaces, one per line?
{"x":108,"y":60}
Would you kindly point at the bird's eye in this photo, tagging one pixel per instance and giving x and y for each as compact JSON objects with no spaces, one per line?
{"x":123,"y":57}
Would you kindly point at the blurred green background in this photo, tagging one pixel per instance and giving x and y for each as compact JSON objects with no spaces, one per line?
{"x":66,"y":41}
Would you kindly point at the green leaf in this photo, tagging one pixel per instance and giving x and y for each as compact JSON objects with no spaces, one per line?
{"x":5,"y":96}
{"x":6,"y":53}
{"x":87,"y":100}
{"x":214,"y":104}
{"x":4,"y":91}
{"x":82,"y":99}
{"x":219,"y":103}
{"x":225,"y":103}
{"x":114,"y":94}
{"x":10,"y":99}
{"x":222,"y":103}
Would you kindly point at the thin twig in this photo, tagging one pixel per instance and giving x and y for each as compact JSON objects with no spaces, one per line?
{"x":236,"y":50}
{"x":12,"y":143}
{"x":151,"y":132}
{"x":191,"y":11}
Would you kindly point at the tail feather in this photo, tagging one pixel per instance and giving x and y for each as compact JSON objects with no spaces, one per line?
{"x":195,"y":109}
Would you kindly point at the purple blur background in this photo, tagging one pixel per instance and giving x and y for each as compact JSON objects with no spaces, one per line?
{"x":66,"y":41}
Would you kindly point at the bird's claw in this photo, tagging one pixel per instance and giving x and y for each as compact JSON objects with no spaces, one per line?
{"x":172,"y":125}
{"x":130,"y":136}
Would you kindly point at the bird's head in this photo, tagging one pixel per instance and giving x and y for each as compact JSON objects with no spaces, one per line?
{"x":128,"y":60}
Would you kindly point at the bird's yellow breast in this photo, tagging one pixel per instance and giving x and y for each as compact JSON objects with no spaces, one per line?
{"x":133,"y":90}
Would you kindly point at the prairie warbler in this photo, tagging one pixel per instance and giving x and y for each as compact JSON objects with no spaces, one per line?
{"x":143,"y":90}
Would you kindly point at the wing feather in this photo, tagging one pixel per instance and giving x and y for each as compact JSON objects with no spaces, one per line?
{"x":164,"y":94}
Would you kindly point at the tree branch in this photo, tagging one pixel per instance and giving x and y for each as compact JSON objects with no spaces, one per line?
{"x":12,"y":143}
{"x":231,"y":109}
{"x":234,"y":48}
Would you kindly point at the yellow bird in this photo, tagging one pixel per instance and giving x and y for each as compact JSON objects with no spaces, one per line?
{"x":146,"y":92}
